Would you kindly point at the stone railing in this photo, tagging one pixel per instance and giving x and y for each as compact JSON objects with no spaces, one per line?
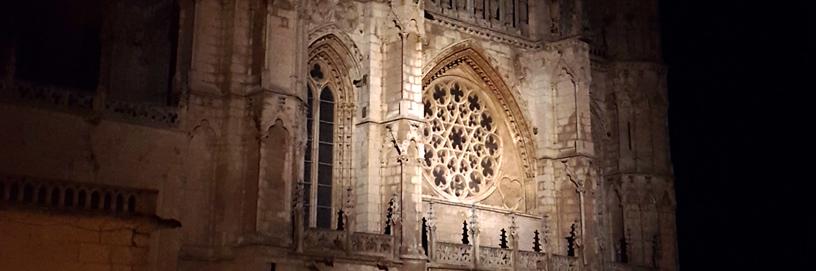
{"x":336,"y":243}
{"x":564,"y":263}
{"x":505,"y":16}
{"x":83,"y":101}
{"x":21,"y":191}
{"x":530,"y":260}
{"x":324,"y":240}
{"x":372,"y":244}
{"x":460,"y":256}
{"x":630,"y":267}
{"x":453,"y":254}
{"x":495,"y":258}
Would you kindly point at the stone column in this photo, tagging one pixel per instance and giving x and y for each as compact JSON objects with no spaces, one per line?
{"x":298,"y":221}
{"x":473,"y":229}
{"x":404,"y":120}
{"x":404,"y":133}
{"x":514,"y":244}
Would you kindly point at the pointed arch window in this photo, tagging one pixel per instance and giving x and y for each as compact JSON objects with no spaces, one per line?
{"x":318,"y":163}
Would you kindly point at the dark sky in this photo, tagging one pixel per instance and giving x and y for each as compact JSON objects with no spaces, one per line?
{"x":738,"y":123}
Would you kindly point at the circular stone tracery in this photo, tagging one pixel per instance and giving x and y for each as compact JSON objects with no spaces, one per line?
{"x":462,"y":146}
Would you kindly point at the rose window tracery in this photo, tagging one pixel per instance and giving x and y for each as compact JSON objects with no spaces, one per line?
{"x":462,"y":145}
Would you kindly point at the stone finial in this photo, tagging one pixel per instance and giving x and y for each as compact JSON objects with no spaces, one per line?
{"x":513,"y":226}
{"x":431,"y":220}
{"x":349,"y":203}
{"x":389,"y":217}
{"x":545,"y":234}
{"x":396,"y":208}
{"x":474,"y":221}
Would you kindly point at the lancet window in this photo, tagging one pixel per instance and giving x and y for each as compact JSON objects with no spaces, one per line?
{"x":327,"y":165}
{"x":318,"y":162}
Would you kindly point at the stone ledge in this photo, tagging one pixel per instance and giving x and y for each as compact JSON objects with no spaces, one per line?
{"x":83,"y":102}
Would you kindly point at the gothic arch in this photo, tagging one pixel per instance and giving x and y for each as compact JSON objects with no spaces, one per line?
{"x":331,"y":69}
{"x":564,"y":68}
{"x":275,"y":170}
{"x":466,"y":62}
{"x":198,"y":187}
{"x":471,"y":56}
{"x":342,"y":44}
{"x":617,"y":223}
{"x":331,"y":51}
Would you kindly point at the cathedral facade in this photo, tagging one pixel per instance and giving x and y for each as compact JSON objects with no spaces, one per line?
{"x":335,"y":135}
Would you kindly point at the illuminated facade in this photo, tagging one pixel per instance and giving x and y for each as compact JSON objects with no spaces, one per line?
{"x":337,"y":135}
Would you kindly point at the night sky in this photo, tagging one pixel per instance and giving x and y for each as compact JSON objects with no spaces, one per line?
{"x":738,"y":123}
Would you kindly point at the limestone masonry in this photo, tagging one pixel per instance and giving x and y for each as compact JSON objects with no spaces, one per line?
{"x":335,"y":135}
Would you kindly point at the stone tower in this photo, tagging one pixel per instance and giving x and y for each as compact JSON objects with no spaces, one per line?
{"x":335,"y":135}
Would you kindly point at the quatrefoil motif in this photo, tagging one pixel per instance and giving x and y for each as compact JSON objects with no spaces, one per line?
{"x":462,"y":145}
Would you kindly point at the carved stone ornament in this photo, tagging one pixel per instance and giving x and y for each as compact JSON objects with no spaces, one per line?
{"x":462,"y":145}
{"x":455,"y":254}
{"x":324,"y":240}
{"x":371,"y":244}
{"x":494,"y":257}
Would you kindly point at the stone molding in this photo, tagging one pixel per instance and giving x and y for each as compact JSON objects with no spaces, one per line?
{"x":465,"y":54}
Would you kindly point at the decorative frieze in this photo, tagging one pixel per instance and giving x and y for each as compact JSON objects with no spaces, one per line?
{"x":60,"y":97}
{"x":143,"y":112}
{"x":83,"y":101}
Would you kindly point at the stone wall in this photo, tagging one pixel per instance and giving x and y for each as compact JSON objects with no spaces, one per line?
{"x":47,"y":240}
{"x":583,"y":128}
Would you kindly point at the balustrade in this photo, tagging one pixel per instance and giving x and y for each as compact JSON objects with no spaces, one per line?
{"x":316,"y":239}
{"x":76,"y":100}
{"x":631,"y":267}
{"x":342,"y":242}
{"x":372,"y":244}
{"x":464,"y":257}
{"x":453,"y":254}
{"x":493,"y":257}
{"x":563,"y":263}
{"x":71,"y":196}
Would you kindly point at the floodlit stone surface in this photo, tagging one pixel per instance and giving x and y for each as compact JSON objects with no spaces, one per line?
{"x":340,"y":135}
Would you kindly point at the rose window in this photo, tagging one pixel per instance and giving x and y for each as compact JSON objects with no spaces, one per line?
{"x":462,"y":146}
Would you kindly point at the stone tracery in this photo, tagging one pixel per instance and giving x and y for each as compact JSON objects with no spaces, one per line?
{"x":462,"y":146}
{"x":487,"y":125}
{"x":330,"y":108}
